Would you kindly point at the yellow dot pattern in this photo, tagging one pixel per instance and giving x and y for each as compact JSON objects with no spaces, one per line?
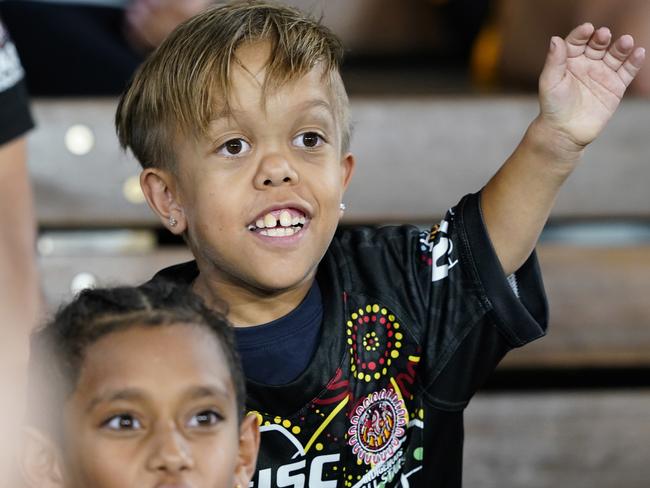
{"x":373,"y":369}
{"x":286,"y":423}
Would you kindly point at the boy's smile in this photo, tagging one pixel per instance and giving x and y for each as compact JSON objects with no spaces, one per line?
{"x":286,"y":221}
{"x":261,"y":199}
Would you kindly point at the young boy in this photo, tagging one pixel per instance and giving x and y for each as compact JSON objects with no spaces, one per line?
{"x":137,"y":388}
{"x":362,"y":349}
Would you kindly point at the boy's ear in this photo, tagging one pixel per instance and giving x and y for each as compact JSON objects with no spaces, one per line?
{"x":40,"y":463}
{"x":159,"y":188}
{"x":249,"y":444}
{"x":347,"y":162}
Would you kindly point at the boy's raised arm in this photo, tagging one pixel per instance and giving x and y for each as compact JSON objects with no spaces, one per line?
{"x":581,"y":85}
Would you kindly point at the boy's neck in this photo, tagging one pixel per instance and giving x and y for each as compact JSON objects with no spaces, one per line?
{"x":247,"y":306}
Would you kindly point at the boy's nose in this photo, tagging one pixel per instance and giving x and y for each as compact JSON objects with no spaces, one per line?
{"x":275,"y":170}
{"x":170,"y":453}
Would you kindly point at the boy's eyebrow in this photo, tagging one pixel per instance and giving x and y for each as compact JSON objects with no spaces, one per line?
{"x":317,"y":102}
{"x":228,"y":111}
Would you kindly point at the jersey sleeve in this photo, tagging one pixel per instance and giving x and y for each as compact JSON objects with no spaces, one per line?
{"x":472,"y":312}
{"x":15,"y":117}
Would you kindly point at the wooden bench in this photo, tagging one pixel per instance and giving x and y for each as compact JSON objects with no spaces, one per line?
{"x":594,"y":439}
{"x":415,"y":158}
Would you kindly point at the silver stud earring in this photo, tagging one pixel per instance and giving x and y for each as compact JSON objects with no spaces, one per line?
{"x":172,"y":221}
{"x":342,"y":207}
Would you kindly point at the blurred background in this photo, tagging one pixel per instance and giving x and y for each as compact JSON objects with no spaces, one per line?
{"x":441,"y":92}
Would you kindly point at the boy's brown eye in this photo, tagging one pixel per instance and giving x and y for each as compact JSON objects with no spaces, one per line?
{"x":234,"y":146}
{"x":310,"y":139}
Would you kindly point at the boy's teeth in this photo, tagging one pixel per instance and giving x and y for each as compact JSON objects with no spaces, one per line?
{"x":285,"y":219}
{"x":269,"y":221}
{"x":279,"y":231}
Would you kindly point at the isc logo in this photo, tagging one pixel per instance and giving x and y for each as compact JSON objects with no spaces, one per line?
{"x":298,"y":474}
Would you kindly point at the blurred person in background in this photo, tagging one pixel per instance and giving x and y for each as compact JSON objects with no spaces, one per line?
{"x":409,"y":33}
{"x":412,"y":46}
{"x":92,"y":47}
{"x":525,"y":27}
{"x":19,"y":293}
{"x":89,"y":47}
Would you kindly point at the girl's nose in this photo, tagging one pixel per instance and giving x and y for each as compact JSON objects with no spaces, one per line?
{"x":170,"y":453}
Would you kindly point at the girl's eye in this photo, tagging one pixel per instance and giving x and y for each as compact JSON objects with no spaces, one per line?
{"x":308,"y":140}
{"x":234,"y":147}
{"x":206,"y":418}
{"x":122,"y":422}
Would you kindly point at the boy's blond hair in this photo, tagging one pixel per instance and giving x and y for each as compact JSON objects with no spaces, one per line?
{"x":182,"y":86}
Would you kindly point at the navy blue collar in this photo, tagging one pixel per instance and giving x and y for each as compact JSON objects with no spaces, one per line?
{"x":277,"y":352}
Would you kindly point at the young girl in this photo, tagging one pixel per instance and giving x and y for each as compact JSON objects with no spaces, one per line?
{"x":137,"y":387}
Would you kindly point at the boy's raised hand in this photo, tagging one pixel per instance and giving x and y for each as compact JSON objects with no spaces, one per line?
{"x":581,"y":85}
{"x":583,"y":81}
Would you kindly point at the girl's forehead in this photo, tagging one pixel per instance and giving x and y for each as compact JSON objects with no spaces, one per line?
{"x":163,"y":362}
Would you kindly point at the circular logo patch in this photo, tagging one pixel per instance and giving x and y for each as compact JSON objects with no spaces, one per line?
{"x":377,"y":426}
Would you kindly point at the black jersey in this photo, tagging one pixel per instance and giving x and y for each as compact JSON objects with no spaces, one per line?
{"x":413,"y":323}
{"x":15,"y":118}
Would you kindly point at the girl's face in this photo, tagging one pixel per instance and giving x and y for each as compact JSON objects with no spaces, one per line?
{"x":156,"y":408}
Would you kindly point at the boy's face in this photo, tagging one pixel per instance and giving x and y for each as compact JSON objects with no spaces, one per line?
{"x":261,"y":198}
{"x":155,"y":407}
